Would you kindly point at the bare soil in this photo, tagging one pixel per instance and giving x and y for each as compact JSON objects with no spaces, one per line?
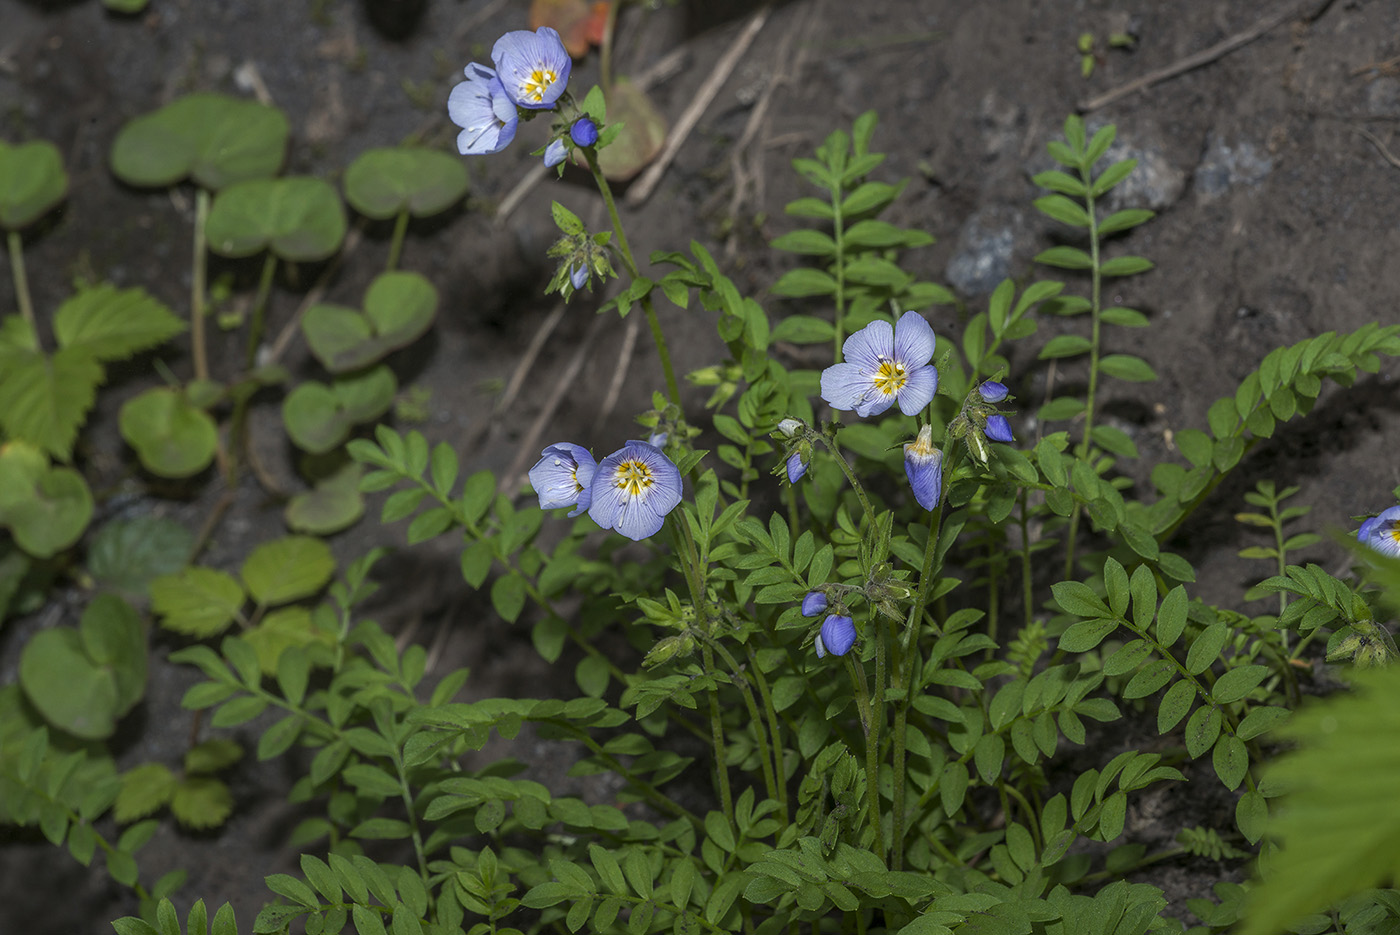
{"x":1271,"y":169}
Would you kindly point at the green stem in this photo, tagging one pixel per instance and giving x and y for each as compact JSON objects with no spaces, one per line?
{"x":780,"y":768}
{"x":198,"y":286}
{"x":672,"y":387}
{"x":406,"y":793}
{"x":872,"y":740}
{"x":255,"y":327}
{"x":760,"y":733}
{"x":1094,"y":309}
{"x":726,"y":797}
{"x":1027,"y":592}
{"x":838,"y":235}
{"x":26,"y":306}
{"x":396,"y":245}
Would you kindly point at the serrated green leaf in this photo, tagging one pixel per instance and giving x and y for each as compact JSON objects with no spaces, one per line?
{"x":287,"y":569}
{"x":198,"y":602}
{"x":44,"y":399}
{"x":201,"y":802}
{"x":145,"y":790}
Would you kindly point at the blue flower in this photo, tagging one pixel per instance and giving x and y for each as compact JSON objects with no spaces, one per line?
{"x":796,"y":467}
{"x":562,"y":477}
{"x":813,"y":604}
{"x":479,"y":105}
{"x":633,"y":490}
{"x":992,"y":391}
{"x":578,"y":275}
{"x":584,"y":132}
{"x":554,"y":154}
{"x":883,"y":365}
{"x":923,"y":465}
{"x":1382,"y":532}
{"x":533,"y":66}
{"x":837,"y":637}
{"x":998,"y":429}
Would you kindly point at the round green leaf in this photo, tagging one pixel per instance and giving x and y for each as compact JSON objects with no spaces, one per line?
{"x":217,"y":140}
{"x":113,"y":637}
{"x":332,"y":505}
{"x":46,"y":508}
{"x":171,"y":436}
{"x":319,"y":417}
{"x":287,"y":569}
{"x":299,"y":219}
{"x":383,"y":182}
{"x":399,"y":307}
{"x":32,"y":181}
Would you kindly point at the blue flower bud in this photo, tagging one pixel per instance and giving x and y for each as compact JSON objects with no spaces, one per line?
{"x":796,"y":467}
{"x":992,"y":391}
{"x":998,"y":429}
{"x":813,"y":604}
{"x":584,"y":132}
{"x":923,"y":465}
{"x":554,"y":154}
{"x":838,"y":634}
{"x":578,"y":275}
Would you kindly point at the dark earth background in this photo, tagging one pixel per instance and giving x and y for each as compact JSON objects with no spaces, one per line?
{"x":1277,"y":221}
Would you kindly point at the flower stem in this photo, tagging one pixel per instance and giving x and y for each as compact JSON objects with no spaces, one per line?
{"x":26,"y":306}
{"x":255,"y":328}
{"x":872,"y":741}
{"x":199,"y":286}
{"x":396,"y":245}
{"x":673,"y":389}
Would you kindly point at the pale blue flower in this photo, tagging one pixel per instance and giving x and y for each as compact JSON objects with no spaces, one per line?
{"x":796,"y":467}
{"x":533,"y":67}
{"x":578,"y":275}
{"x":998,"y":429}
{"x":813,"y":604}
{"x":633,"y":490}
{"x":837,"y":637}
{"x":883,"y":365}
{"x":479,"y":105}
{"x":563,"y":477}
{"x":555,"y":153}
{"x":584,"y":132}
{"x":923,"y":465}
{"x":1382,"y":532}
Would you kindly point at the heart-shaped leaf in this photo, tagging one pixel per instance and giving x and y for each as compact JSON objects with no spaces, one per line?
{"x":332,"y":505}
{"x":215,"y":139}
{"x":83,"y":680}
{"x":300,"y":219}
{"x":288,"y":569}
{"x":399,"y":307}
{"x":113,"y":324}
{"x":319,"y":417}
{"x":171,"y":436}
{"x":642,"y":134}
{"x":380,"y":183}
{"x":46,"y":508}
{"x":32,"y":181}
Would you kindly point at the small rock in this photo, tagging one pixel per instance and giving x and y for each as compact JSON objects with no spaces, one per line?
{"x":1154,"y":183}
{"x":986,"y":244}
{"x":1224,"y":166}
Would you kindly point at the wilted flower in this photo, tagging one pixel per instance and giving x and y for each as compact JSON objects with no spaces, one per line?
{"x":555,"y":153}
{"x":658,"y":439}
{"x":923,"y":465}
{"x":480,"y":106}
{"x":790,"y":427}
{"x":584,"y":132}
{"x":578,"y":275}
{"x":837,"y":637}
{"x":1382,"y":532}
{"x":998,"y":429}
{"x":633,"y":490}
{"x":992,"y":391}
{"x":563,"y":477}
{"x":533,"y":67}
{"x":813,"y":604}
{"x":796,"y":467}
{"x":883,"y":365}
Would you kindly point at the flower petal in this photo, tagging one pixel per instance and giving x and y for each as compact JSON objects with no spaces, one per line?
{"x":554,"y":154}
{"x":813,"y":604}
{"x":993,"y":392}
{"x":562,"y":475}
{"x":998,"y":429}
{"x":923,"y":465}
{"x":918,"y":390}
{"x":838,"y":634}
{"x":869,"y":345}
{"x":533,"y":66}
{"x":913,"y":340}
{"x":796,"y":467}
{"x":845,"y":386}
{"x":633,"y":490}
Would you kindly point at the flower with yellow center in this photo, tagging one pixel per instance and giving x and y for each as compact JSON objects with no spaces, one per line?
{"x":533,"y":67}
{"x":1382,"y":532}
{"x":884,"y":364}
{"x":633,"y":490}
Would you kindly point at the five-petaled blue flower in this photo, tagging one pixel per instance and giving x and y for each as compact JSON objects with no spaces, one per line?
{"x":533,"y":67}
{"x":883,"y":365}
{"x":992,"y":391}
{"x":584,"y":132}
{"x":813,"y":604}
{"x":563,"y":477}
{"x":480,"y":106}
{"x":633,"y":490}
{"x":837,"y":637}
{"x":998,"y":429}
{"x":1382,"y":532}
{"x":923,"y":465}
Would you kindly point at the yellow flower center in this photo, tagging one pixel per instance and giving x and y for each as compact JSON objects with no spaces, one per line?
{"x":1394,"y":531}
{"x":537,"y":84}
{"x":891,"y":377}
{"x":633,"y":478}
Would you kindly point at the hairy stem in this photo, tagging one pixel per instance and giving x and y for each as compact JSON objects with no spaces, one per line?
{"x":199,"y":286}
